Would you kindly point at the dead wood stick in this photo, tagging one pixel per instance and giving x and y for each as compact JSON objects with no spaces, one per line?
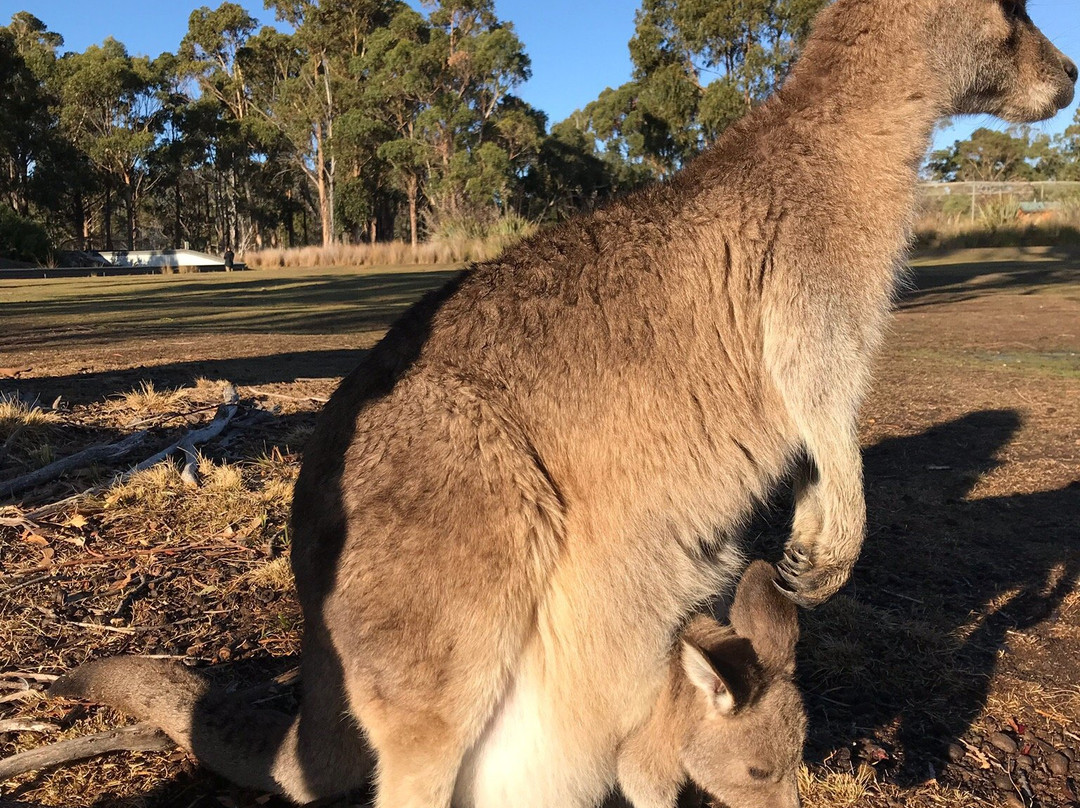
{"x":33,"y":677}
{"x":26,"y":725}
{"x":23,"y":584}
{"x":193,"y":438}
{"x":103,"y":451}
{"x":218,"y":549}
{"x":198,"y":436}
{"x":137,"y":738}
{"x":172,"y":416}
{"x":284,"y":397}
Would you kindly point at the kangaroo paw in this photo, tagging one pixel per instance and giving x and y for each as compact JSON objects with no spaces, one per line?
{"x":805,"y":582}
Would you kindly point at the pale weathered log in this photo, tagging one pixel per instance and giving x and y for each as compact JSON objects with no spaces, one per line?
{"x":26,"y":725}
{"x":87,"y":457}
{"x":193,"y":438}
{"x":137,"y":738}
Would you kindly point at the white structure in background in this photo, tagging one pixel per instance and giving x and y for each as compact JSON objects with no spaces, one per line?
{"x":161,"y":258}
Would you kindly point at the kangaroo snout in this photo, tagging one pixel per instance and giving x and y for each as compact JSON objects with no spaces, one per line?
{"x":1070,"y":69}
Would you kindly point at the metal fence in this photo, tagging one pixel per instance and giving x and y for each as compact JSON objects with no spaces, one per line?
{"x":998,"y":201}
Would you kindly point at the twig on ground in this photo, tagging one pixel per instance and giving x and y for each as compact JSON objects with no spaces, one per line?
{"x":171,"y":416}
{"x":137,"y":738}
{"x":26,"y":725}
{"x":216,"y":549}
{"x":30,"y":582}
{"x":21,"y":695}
{"x":192,"y":439}
{"x":104,"y":627}
{"x":33,"y":677}
{"x":268,"y":394}
{"x":87,"y":457}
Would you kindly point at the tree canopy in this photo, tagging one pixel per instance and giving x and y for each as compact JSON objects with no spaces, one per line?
{"x":365,"y":120}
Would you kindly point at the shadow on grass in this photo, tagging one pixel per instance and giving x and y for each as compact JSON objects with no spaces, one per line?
{"x":263,"y":303}
{"x":83,"y":388}
{"x":934,"y":284}
{"x":907,"y":651}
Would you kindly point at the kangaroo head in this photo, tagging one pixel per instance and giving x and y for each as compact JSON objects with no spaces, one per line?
{"x":963,"y":56}
{"x":745,"y":740}
{"x":995,"y":60}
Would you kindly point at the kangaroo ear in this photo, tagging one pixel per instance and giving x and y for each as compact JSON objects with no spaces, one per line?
{"x":706,"y":678}
{"x":764,"y":616}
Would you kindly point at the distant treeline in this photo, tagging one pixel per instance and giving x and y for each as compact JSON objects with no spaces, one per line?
{"x":366,"y":121}
{"x":353,"y":121}
{"x":1019,"y":154}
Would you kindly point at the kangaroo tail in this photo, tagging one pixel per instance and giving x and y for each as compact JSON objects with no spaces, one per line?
{"x":251,"y":747}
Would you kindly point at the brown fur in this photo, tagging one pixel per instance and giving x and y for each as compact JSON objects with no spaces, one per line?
{"x":730,"y":718}
{"x":509,"y":509}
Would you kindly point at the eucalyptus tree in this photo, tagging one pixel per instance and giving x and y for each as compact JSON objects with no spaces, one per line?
{"x":27,"y":107}
{"x":111,"y":109}
{"x":699,"y":65}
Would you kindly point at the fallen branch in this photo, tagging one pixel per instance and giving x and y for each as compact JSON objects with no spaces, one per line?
{"x":283,"y":397}
{"x":210,"y":431}
{"x":191,"y":439}
{"x":217,"y":549}
{"x":137,"y":738}
{"x":33,"y":677}
{"x":26,"y":725}
{"x":158,"y":420}
{"x":87,"y":457}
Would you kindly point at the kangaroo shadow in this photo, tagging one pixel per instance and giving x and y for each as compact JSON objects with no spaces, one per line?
{"x":907,"y":652}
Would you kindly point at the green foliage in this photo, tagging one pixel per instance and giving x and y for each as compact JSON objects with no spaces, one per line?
{"x":377,"y":119}
{"x":987,"y":156}
{"x":21,"y":238}
{"x":699,"y":65}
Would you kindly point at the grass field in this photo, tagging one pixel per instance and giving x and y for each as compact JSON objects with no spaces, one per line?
{"x":945,"y":674}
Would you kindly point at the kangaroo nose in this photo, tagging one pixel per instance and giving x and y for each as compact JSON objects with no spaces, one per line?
{"x":1070,"y":70}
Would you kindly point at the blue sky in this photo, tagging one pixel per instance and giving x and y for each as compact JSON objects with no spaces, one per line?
{"x":578,"y":47}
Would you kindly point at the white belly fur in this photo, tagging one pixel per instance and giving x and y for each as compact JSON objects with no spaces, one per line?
{"x":528,"y":758}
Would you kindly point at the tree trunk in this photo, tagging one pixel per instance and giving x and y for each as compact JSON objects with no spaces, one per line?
{"x":414,"y":195}
{"x":81,"y":222}
{"x":108,"y":215}
{"x":320,"y":186}
{"x":178,"y":228}
{"x":131,"y":201}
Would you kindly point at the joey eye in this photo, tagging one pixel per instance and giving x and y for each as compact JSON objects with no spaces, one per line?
{"x":758,"y":774}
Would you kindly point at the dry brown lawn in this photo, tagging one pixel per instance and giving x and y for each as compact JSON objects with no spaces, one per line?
{"x":945,"y":674}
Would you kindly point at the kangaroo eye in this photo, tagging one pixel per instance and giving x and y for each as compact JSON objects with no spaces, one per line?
{"x":758,"y":774}
{"x":1014,"y":9}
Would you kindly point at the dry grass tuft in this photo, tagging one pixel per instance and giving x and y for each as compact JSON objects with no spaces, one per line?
{"x":148,"y":400}
{"x":454,"y":250}
{"x":17,"y":415}
{"x":25,"y":429}
{"x":276,"y":576}
{"x":835,"y":789}
{"x":224,"y":477}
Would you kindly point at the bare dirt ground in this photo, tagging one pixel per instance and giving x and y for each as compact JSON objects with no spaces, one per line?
{"x":945,"y":674}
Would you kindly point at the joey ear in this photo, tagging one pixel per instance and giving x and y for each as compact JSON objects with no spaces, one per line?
{"x":761,"y":614}
{"x":703,"y":675}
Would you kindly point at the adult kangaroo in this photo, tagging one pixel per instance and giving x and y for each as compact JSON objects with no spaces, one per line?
{"x":508,"y":511}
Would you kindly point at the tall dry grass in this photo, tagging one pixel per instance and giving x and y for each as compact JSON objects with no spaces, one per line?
{"x":998,"y":221}
{"x":394,"y":253}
